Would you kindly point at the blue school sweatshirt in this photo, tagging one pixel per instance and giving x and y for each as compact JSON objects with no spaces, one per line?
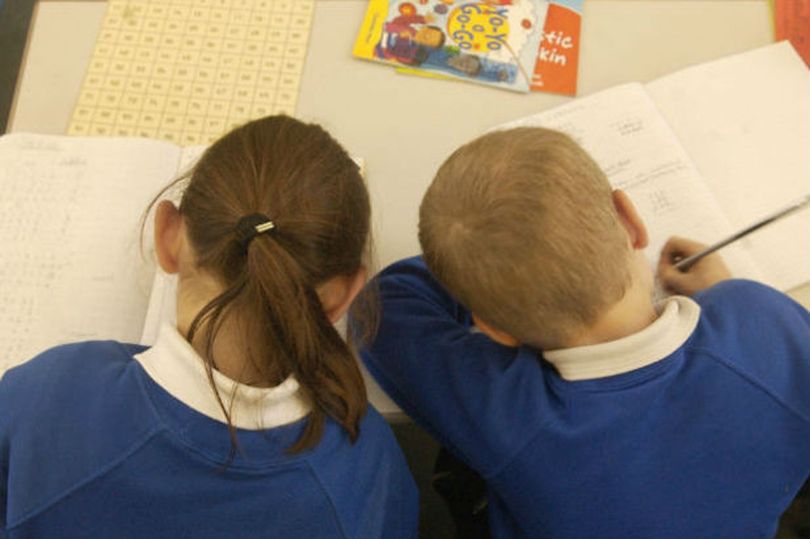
{"x":697,"y":426}
{"x":112,"y":440}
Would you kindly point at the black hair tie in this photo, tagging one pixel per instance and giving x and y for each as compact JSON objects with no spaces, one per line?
{"x":250,"y":226}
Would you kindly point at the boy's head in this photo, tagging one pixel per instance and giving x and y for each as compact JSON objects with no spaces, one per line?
{"x":520,"y":226}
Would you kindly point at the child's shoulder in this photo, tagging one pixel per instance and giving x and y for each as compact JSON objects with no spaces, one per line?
{"x":375,"y":437}
{"x":87,"y":351}
{"x":374,"y":446}
{"x":73,"y":410}
{"x":370,"y":470}
{"x":73,"y":361}
{"x":67,"y":375}
{"x":737,"y":289}
{"x":762,"y":335}
{"x":409,"y":272}
{"x":737,"y":305}
{"x":378,"y":428}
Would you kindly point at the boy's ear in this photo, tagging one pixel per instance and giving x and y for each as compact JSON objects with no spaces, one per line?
{"x":338,"y":293}
{"x":630,"y":219}
{"x":168,"y":236}
{"x":500,"y":337}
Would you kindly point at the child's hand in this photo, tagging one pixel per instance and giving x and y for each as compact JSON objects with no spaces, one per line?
{"x":706,"y":272}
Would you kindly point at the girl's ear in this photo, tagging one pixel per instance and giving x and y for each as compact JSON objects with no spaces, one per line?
{"x":168,"y":236}
{"x":337,"y":293}
{"x":630,"y":219}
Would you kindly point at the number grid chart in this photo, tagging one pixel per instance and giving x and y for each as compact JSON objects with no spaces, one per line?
{"x":187,"y":71}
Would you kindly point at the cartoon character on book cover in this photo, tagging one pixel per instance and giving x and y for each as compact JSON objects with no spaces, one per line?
{"x":487,"y":41}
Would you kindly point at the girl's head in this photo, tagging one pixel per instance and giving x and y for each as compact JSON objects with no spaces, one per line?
{"x":272,"y":301}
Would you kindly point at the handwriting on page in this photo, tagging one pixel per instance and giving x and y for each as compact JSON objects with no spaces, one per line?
{"x":749,"y":135}
{"x":71,"y":267}
{"x":623,"y":132}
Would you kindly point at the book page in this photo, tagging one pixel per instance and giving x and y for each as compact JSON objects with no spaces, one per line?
{"x":745,"y":121}
{"x":72,"y":267}
{"x":624,"y":133}
{"x":189,"y":157}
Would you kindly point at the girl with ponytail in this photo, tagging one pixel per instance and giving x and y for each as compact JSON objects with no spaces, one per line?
{"x":248,"y":417}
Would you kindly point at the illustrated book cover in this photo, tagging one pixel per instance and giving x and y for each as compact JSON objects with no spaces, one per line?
{"x":492,"y":42}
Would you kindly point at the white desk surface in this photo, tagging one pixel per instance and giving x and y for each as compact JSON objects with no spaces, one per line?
{"x":405,"y":126}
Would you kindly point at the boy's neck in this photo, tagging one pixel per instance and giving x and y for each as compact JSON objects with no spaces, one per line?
{"x":631,"y":314}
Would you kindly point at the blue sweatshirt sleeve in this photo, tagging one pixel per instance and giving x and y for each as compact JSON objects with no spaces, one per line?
{"x":771,"y":333}
{"x":475,"y":396}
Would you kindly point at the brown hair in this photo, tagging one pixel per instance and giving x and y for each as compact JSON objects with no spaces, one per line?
{"x":520,"y":227}
{"x":312,"y":191}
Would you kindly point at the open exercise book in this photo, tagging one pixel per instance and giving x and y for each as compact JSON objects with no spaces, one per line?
{"x":72,"y":267}
{"x":701,"y":152}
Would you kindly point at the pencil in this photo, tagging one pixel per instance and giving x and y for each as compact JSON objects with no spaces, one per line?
{"x":688,"y":262}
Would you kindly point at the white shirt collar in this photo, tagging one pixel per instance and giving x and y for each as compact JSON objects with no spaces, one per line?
{"x":671,"y":329}
{"x":175,"y":366}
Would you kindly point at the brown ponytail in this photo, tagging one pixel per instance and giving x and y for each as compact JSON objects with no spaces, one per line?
{"x":304,"y":181}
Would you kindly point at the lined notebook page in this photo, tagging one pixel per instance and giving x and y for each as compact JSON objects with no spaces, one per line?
{"x":72,"y":267}
{"x":623,"y":131}
{"x":745,"y":121}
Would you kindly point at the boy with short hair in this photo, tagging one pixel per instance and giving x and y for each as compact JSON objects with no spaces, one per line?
{"x":686,"y":419}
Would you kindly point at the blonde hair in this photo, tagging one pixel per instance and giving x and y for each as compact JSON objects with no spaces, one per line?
{"x":519,"y":225}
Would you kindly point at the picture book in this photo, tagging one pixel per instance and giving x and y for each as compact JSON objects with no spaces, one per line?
{"x":557,"y":63}
{"x":493,"y":42}
{"x":707,"y":151}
